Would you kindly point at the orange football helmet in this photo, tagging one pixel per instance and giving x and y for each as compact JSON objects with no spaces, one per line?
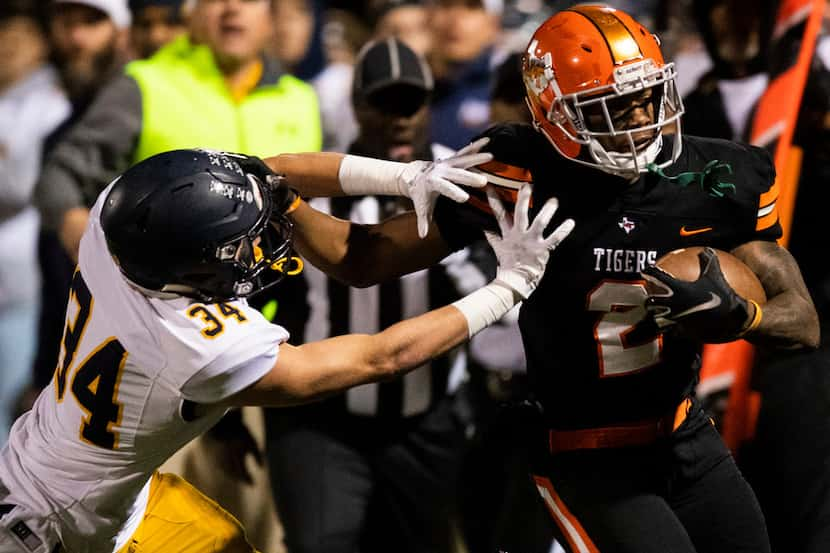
{"x":585,"y":59}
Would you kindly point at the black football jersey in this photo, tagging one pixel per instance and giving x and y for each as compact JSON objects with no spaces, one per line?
{"x":592,"y":357}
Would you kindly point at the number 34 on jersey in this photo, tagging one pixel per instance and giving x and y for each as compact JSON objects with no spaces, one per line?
{"x":93,"y":381}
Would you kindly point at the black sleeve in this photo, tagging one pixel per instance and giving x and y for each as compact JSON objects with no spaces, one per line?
{"x":757,"y":194}
{"x":462,"y":224}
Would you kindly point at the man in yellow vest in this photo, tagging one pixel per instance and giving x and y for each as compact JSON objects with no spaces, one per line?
{"x":212,"y":88}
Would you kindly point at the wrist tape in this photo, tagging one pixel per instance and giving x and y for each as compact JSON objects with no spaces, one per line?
{"x":363,"y":175}
{"x":486,"y":305}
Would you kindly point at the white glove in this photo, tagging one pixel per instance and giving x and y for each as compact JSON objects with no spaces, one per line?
{"x":522,"y":249}
{"x":423,"y":182}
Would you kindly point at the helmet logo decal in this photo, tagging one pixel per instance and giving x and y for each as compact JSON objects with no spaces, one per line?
{"x":231,"y":191}
{"x":621,"y":44}
{"x":222,"y":159}
{"x":539,"y":72}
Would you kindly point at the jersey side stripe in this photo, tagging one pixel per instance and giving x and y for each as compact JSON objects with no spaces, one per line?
{"x":769,"y":196}
{"x":575,"y":534}
{"x":767,"y":208}
{"x":768,"y":219}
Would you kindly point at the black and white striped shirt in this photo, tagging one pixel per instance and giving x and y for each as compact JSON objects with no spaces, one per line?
{"x":336,"y":309}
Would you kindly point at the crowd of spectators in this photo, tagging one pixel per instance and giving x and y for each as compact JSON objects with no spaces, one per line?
{"x":89,"y":87}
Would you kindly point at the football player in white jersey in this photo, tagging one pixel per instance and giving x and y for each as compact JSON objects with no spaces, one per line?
{"x":160,"y":342}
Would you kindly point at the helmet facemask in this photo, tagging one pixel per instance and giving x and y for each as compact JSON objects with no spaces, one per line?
{"x":247,"y":264}
{"x":584,"y":120}
{"x":263,"y":256}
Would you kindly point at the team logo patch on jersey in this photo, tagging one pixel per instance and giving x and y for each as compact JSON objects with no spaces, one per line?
{"x":627,"y":224}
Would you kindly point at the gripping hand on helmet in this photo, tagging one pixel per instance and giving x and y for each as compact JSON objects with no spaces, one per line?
{"x":283,"y":197}
{"x":423,"y":182}
{"x":522,"y":248}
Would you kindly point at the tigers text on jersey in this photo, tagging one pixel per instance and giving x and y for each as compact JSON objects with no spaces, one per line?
{"x":77,"y":465}
{"x":592,"y":358}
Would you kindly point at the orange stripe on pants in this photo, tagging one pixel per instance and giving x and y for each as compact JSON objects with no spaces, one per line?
{"x":573,"y":531}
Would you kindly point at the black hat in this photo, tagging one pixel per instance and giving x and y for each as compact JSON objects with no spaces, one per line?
{"x":138,"y":5}
{"x":390,"y":76}
{"x":33,"y":9}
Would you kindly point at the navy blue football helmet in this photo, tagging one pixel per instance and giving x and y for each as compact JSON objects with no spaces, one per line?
{"x":197,"y":224}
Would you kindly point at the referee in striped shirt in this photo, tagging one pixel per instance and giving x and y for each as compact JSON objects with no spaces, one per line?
{"x":374,"y":469}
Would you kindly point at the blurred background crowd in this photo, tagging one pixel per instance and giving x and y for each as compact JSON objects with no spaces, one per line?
{"x":89,"y":87}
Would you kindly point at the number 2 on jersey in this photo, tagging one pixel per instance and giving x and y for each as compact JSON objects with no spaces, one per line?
{"x":619,"y":351}
{"x":95,"y":384}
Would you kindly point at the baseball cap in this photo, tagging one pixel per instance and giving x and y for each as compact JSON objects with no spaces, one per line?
{"x":138,"y":5}
{"x":495,"y":7}
{"x":116,"y":10}
{"x":391,"y":77}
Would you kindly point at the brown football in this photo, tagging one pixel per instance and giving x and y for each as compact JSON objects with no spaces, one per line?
{"x":684,"y":264}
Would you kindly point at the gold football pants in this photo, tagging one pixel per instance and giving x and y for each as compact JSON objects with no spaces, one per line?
{"x":180,"y":519}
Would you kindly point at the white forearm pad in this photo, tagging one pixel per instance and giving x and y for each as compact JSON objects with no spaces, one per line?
{"x":363,"y":175}
{"x":486,"y":306}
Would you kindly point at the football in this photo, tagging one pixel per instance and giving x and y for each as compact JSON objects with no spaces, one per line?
{"x":684,"y":264}
{"x":476,"y":211}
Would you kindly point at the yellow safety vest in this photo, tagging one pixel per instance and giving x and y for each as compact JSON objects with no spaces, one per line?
{"x":186,"y":104}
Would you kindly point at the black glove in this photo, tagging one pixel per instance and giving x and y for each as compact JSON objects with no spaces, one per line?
{"x":707,"y":309}
{"x":253,"y":165}
{"x":283,"y":196}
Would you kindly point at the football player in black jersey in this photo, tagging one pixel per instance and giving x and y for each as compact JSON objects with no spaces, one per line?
{"x":631,"y":463}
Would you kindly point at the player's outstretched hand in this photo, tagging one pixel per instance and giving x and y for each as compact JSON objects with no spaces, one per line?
{"x":423,"y":182}
{"x":522,"y":249}
{"x":707,"y":308}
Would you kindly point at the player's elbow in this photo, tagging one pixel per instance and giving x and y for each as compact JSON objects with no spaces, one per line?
{"x":394,"y":357}
{"x":385,"y":366}
{"x":813,"y":332}
{"x":808,"y":322}
{"x":802,"y":328}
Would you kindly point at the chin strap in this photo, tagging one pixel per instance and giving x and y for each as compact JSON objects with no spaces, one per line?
{"x":628,"y":165}
{"x":710,"y":180}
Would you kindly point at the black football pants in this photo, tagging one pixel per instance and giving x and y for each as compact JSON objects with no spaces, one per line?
{"x":683,"y":495}
{"x":344,"y":484}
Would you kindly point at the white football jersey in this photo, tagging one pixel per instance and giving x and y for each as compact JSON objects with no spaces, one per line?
{"x":81,"y":459}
